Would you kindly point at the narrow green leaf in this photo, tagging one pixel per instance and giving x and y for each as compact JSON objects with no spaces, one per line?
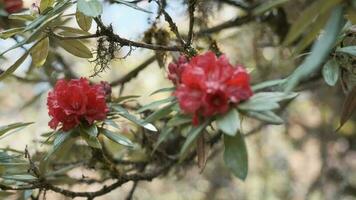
{"x":170,"y":89}
{"x":60,"y":139}
{"x":312,"y":33}
{"x":160,"y":113}
{"x":266,"y":116}
{"x":179,"y":120}
{"x":23,"y":16}
{"x":268,"y":84}
{"x":307,"y":17}
{"x":83,"y":21}
{"x":91,"y":8}
{"x":266,"y":6}
{"x":351,"y":50}
{"x":11,"y":127}
{"x":235,"y":155}
{"x":162,"y":137}
{"x":124,"y":113}
{"x":155,"y":104}
{"x":229,"y":123}
{"x":320,"y":50}
{"x":331,"y":72}
{"x":10,"y":32}
{"x":90,"y":140}
{"x":14,"y":67}
{"x":23,"y":177}
{"x":39,"y":52}
{"x":192,"y":136}
{"x":118,"y":138}
{"x":132,"y":5}
{"x":76,"y":48}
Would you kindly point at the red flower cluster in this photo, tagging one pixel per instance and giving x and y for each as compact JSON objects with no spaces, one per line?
{"x":12,"y":6}
{"x":208,"y":84}
{"x":175,"y":69}
{"x":74,"y":101}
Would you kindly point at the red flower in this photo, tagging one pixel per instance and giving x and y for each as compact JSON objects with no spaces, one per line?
{"x":209,"y":84}
{"x":175,"y":69}
{"x":74,"y":101}
{"x":12,"y":6}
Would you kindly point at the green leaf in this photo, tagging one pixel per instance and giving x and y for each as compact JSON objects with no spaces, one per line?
{"x":22,"y":177}
{"x":158,"y":114}
{"x":264,"y":101}
{"x":124,"y":98}
{"x":312,"y":33}
{"x":170,"y":89}
{"x":266,"y":116}
{"x":83,"y":21}
{"x":307,"y":17}
{"x":61,"y":138}
{"x":75,"y":47}
{"x":91,"y":8}
{"x":235,"y":155}
{"x":320,"y":50}
{"x":132,"y":5}
{"x":179,"y":120}
{"x":90,"y":135}
{"x":268,"y":84}
{"x":124,"y":113}
{"x":23,"y":16}
{"x":162,"y":137}
{"x":46,"y":4}
{"x":14,"y":67}
{"x":193,"y":134}
{"x":331,"y":72}
{"x":11,"y":127}
{"x":268,"y":5}
{"x":118,"y":138}
{"x":229,"y":123}
{"x":351,"y":50}
{"x":39,"y":52}
{"x":155,"y":104}
{"x":10,"y":32}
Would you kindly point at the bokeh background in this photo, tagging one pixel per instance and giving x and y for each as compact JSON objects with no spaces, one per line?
{"x":302,"y":159}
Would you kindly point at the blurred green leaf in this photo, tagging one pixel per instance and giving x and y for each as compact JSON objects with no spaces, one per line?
{"x":351,"y":50}
{"x":124,"y":113}
{"x":83,"y":21}
{"x":331,"y":72}
{"x":132,"y":5}
{"x":170,"y":89}
{"x":307,"y":17}
{"x":39,"y":52}
{"x":229,"y":123}
{"x":193,"y":134}
{"x":320,"y":50}
{"x":91,"y":8}
{"x":46,"y":4}
{"x":235,"y":155}
{"x":10,"y":32}
{"x":23,"y":16}
{"x":75,"y":47}
{"x":266,"y":116}
{"x":266,"y":6}
{"x":90,"y":135}
{"x":312,"y":33}
{"x":162,"y":137}
{"x":118,"y":138}
{"x":14,"y":67}
{"x":160,"y":113}
{"x":155,"y":104}
{"x":12,"y":127}
{"x":268,"y":84}
{"x":179,"y":120}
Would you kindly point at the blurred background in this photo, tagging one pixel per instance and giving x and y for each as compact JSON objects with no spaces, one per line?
{"x":302,"y":159}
